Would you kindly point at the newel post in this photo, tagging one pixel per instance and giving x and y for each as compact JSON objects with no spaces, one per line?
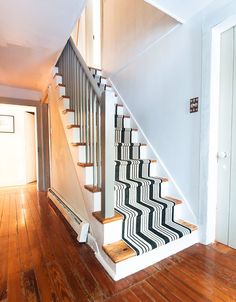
{"x":107,"y":156}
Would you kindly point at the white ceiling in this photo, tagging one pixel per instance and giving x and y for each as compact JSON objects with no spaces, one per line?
{"x":181,"y":10}
{"x":32,"y":34}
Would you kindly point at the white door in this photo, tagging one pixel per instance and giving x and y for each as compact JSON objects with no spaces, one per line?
{"x":30,"y":147}
{"x":226,"y":204}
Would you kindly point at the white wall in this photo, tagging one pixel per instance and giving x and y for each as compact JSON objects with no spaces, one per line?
{"x":19,"y":93}
{"x":157,"y":85}
{"x":63,"y":174}
{"x":129,"y":28}
{"x":12,"y":148}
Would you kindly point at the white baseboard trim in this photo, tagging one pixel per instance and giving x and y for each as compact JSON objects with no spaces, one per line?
{"x":78,"y":223}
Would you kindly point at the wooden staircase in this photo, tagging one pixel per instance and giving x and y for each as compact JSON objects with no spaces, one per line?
{"x":117,"y":257}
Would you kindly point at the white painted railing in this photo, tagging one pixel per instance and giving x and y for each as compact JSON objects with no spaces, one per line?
{"x":94,"y":116}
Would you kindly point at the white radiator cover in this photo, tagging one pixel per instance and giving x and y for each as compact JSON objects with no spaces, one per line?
{"x":79,"y":224}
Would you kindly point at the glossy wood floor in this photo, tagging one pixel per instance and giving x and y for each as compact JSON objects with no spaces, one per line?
{"x":40,"y":260}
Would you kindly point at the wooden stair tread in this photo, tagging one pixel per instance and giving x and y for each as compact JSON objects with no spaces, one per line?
{"x":131,"y":129}
{"x":68,"y":110}
{"x":63,"y":97}
{"x":95,"y":68}
{"x":119,"y":251}
{"x":162,"y":179}
{"x":84,"y":165}
{"x":72,"y":126}
{"x":92,"y":189}
{"x":100,"y":218}
{"x":189,"y":225}
{"x":123,"y":115}
{"x":175,"y":200}
{"x":78,"y":144}
{"x":57,"y":74}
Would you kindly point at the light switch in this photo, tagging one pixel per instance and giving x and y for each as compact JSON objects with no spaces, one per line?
{"x":194,"y":105}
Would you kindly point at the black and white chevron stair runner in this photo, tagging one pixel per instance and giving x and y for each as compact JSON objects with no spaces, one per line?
{"x":148,"y":218}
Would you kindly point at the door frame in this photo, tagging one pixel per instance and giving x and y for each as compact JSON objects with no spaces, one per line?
{"x":43,"y":181}
{"x":222,"y":20}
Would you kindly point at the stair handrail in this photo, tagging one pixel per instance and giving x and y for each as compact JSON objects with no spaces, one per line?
{"x":86,"y":69}
{"x":94,"y":114}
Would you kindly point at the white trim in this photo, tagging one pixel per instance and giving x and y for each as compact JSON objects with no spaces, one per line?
{"x":166,"y":11}
{"x":222,"y":21}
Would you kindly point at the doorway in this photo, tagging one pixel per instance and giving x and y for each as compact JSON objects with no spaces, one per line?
{"x":210,"y":153}
{"x":30,"y":147}
{"x":226,"y":156}
{"x":18,"y":156}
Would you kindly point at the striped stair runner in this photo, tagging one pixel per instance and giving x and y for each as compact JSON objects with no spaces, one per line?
{"x":148,"y":218}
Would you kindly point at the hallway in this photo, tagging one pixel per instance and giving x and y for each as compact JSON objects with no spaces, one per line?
{"x":40,"y":260}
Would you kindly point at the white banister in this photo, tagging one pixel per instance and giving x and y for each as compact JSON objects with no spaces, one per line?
{"x":94,"y":115}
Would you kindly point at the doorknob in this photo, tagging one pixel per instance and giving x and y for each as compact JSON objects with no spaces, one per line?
{"x":222,"y":154}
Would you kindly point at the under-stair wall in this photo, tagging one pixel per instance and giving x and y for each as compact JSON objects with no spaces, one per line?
{"x":63,"y":174}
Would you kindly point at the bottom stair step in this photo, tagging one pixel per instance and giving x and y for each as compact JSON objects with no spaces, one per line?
{"x":120,"y":250}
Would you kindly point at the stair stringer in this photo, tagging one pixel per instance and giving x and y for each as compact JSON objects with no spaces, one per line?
{"x":172,"y":189}
{"x":132,"y":265}
{"x":99,"y":234}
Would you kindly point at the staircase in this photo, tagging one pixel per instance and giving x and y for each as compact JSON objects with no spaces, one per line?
{"x":133,"y":224}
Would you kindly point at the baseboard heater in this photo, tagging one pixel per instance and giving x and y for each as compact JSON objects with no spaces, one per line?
{"x":79,"y":225}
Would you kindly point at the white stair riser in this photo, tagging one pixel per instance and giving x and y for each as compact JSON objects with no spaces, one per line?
{"x":69,"y":118}
{"x":153,"y":167}
{"x":178,"y":211}
{"x":61,"y":91}
{"x":64,"y":103}
{"x":74,"y":135}
{"x":135,"y":137}
{"x":126,"y":122}
{"x":54,"y":71}
{"x":57,"y":80}
{"x":93,"y":201}
{"x":81,"y":153}
{"x":143,"y":152}
{"x":164,"y":188}
{"x":120,"y":110}
{"x":85,"y":174}
{"x":108,"y":232}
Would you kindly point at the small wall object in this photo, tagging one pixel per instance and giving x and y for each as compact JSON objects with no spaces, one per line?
{"x":194,"y":105}
{"x":7,"y":124}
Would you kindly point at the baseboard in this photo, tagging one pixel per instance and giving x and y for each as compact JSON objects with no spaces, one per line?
{"x":78,"y":223}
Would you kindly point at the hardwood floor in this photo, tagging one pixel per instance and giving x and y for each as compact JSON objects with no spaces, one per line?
{"x":41,"y":261}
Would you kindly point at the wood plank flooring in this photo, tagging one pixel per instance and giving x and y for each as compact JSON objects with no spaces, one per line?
{"x":41,"y":261}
